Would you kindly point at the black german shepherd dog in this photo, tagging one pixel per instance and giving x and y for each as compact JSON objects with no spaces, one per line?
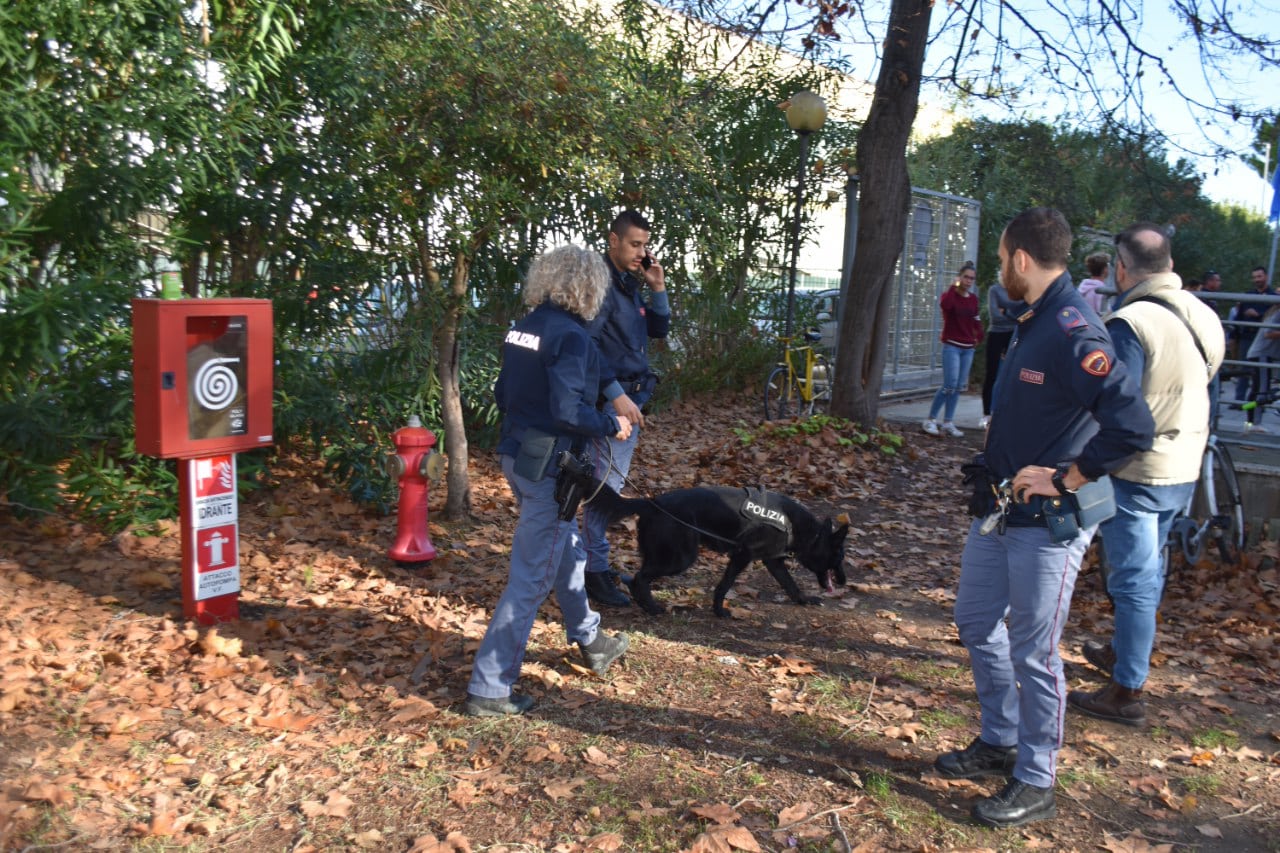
{"x":745,"y":524}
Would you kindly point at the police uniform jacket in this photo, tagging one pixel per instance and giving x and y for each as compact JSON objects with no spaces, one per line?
{"x":550,"y":379}
{"x":1062,"y":397}
{"x":622,"y":330}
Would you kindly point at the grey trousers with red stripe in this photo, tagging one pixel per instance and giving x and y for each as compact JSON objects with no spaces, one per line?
{"x":1011,"y":606}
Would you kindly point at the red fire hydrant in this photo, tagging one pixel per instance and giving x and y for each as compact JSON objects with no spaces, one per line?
{"x":414,"y":463}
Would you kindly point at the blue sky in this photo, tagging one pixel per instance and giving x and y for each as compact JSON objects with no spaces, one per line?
{"x":1096,"y":28}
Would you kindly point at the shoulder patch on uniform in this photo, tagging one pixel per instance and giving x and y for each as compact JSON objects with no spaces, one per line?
{"x":1070,"y":318}
{"x":1097,"y":363}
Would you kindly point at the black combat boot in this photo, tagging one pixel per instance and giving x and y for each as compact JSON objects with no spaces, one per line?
{"x":977,"y":759}
{"x":603,"y":592}
{"x":1017,"y":804}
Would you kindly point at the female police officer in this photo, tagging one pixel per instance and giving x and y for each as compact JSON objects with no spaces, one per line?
{"x":546,"y":390}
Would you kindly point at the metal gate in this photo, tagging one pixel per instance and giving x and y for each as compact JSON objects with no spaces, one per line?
{"x":941,"y":234}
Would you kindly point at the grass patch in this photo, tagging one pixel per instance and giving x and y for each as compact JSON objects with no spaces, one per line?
{"x":1214,"y":738}
{"x":878,"y":785}
{"x":941,"y":718}
{"x":837,"y":694}
{"x":1084,"y":776}
{"x":1207,"y":785}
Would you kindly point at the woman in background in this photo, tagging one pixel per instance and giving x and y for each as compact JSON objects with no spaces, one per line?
{"x":1099,"y":266}
{"x":961,"y":333}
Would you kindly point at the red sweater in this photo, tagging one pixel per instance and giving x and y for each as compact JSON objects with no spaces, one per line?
{"x":961,"y":325}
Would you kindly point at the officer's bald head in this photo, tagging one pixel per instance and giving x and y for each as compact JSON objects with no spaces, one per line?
{"x":1144,"y":250}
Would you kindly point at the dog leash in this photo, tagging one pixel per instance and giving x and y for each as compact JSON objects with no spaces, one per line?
{"x":627,"y":480}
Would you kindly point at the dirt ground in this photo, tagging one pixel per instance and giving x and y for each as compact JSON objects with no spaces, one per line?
{"x":327,"y":718}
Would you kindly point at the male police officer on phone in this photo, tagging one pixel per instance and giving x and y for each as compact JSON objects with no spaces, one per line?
{"x":622,"y":330}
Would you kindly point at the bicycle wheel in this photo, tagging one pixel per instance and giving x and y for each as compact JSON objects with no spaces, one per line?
{"x":1227,"y":510}
{"x":820,"y":402}
{"x":1190,"y":537}
{"x":781,"y":397}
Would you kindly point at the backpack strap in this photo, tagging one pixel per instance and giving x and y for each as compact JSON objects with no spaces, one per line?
{"x":1174,"y":312}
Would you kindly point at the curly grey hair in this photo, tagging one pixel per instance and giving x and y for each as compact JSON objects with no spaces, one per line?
{"x":570,"y":276}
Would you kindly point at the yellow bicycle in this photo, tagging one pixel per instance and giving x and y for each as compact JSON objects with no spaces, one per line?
{"x":801,"y":384}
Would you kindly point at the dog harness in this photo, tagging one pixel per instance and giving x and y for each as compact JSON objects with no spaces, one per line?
{"x":760,"y":515}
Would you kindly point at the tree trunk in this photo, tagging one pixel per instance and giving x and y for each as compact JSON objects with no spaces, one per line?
{"x":883,"y":201}
{"x":448,"y":366}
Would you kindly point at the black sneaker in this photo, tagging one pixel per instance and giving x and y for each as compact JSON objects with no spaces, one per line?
{"x":601,"y":652}
{"x":603,"y":592}
{"x":1017,"y":804}
{"x":481,"y":706}
{"x":977,"y":759}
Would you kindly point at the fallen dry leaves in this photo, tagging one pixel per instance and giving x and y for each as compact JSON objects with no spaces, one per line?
{"x":326,"y":718}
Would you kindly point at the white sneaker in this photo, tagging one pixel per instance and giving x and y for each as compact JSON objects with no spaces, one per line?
{"x":985,"y":422}
{"x":1249,"y":427}
{"x":950,"y":429}
{"x":930,"y":426}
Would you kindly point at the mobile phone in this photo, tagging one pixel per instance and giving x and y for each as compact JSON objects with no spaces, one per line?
{"x":647,"y":260}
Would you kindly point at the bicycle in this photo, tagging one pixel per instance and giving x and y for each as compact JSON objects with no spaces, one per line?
{"x":790,"y":391}
{"x":1215,"y":511}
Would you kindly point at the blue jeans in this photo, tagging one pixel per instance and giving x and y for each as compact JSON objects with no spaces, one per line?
{"x":956,"y":362}
{"x":612,"y":459}
{"x":1011,"y":605}
{"x":546,"y":554}
{"x":1133,"y":540}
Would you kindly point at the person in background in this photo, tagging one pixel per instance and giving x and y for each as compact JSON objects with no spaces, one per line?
{"x":1002,"y":312}
{"x":1067,"y":412}
{"x":1212,"y":282}
{"x":1193,"y":286}
{"x":622,"y":329}
{"x":1265,"y":350}
{"x":961,"y":334}
{"x":1099,"y":265}
{"x":547,"y":389}
{"x":1250,"y":311}
{"x":1174,"y":343}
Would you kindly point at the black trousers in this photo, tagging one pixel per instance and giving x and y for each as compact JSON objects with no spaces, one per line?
{"x":997,"y":343}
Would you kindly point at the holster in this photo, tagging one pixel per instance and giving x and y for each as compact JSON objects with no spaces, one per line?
{"x":537,"y":453}
{"x":576,"y":474}
{"x":982,"y":498}
{"x":1091,"y":504}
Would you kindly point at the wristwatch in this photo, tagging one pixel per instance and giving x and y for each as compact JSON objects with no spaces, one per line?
{"x":1059,"y":481}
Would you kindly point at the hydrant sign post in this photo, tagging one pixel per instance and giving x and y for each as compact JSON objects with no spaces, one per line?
{"x":210,"y":538}
{"x":202,"y":387}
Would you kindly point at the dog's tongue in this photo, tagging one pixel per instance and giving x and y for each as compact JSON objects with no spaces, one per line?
{"x":831,"y":588}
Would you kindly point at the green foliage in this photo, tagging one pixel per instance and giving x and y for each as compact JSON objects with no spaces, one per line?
{"x":124,"y":490}
{"x":352,"y":164}
{"x":848,"y":433}
{"x":1102,"y":181}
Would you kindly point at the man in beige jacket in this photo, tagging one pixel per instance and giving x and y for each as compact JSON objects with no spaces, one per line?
{"x":1175,"y":343}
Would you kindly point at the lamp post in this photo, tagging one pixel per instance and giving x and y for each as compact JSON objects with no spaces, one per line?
{"x":806,"y":113}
